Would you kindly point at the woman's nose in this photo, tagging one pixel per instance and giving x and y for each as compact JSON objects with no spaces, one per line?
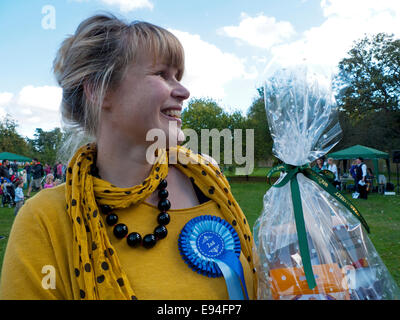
{"x":180,"y":92}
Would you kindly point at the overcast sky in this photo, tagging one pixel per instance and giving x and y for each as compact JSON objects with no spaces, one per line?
{"x":228,"y":43}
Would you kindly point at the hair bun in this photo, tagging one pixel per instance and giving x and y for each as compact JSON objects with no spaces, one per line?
{"x":59,"y":61}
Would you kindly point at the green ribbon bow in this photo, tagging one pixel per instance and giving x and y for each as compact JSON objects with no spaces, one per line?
{"x":323,"y":179}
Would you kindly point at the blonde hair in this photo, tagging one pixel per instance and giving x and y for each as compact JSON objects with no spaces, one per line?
{"x":95,"y":58}
{"x":48,"y":177}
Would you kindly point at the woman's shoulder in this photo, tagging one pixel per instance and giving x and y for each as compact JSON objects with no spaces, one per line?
{"x":47,"y":204}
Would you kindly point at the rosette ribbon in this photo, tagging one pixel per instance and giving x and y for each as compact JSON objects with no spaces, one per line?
{"x":323,"y":179}
{"x":211,"y":247}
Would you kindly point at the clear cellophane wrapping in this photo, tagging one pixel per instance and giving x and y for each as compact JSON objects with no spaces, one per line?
{"x":302,"y":118}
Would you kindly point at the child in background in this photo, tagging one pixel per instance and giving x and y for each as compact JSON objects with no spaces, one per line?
{"x":19,"y":197}
{"x":49,"y":181}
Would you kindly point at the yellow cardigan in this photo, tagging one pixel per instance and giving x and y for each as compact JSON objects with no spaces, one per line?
{"x":38,"y":258}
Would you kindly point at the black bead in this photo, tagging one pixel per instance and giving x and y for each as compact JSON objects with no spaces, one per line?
{"x":120,"y":230}
{"x":149,"y":241}
{"x":164,"y":205}
{"x":112,"y":219}
{"x":163,"y":184}
{"x":160,"y":232}
{"x":163,"y":218}
{"x":163,"y":194}
{"x":106,"y":209}
{"x":134,"y":239}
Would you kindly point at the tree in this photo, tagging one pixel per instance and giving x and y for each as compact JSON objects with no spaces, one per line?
{"x":10,"y":140}
{"x":368,"y":85}
{"x":47,"y":144}
{"x":205,"y":114}
{"x":369,"y":78}
{"x":257,"y":120}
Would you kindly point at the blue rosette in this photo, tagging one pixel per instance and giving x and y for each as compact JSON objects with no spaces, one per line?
{"x":211,"y":247}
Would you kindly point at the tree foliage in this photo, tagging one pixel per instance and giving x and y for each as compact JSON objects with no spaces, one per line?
{"x":46,"y":144}
{"x":10,"y":140}
{"x":257,"y":120}
{"x":207,"y":114}
{"x":369,"y":78}
{"x":368,"y":83}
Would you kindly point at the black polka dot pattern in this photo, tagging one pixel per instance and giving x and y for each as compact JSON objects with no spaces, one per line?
{"x":105,"y":266}
{"x":120,"y":282}
{"x":88,"y":268}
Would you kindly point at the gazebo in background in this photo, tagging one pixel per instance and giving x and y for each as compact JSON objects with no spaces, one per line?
{"x":12,"y":156}
{"x":364,"y":152}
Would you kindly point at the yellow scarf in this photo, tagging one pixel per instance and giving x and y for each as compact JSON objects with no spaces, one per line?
{"x":97,"y":268}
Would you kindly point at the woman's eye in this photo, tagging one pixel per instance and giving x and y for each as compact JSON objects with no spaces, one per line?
{"x":163,"y":74}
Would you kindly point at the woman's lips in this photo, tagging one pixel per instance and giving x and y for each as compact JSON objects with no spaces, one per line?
{"x":171,"y":118}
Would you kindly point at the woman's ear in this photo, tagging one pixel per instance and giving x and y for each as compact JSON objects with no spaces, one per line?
{"x":106,"y":105}
{"x":91,"y":96}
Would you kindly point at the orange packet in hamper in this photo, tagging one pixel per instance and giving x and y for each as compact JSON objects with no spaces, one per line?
{"x":291,"y":284}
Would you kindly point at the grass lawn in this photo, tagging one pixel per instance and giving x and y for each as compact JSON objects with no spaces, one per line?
{"x":6,"y":220}
{"x":257,"y":172}
{"x":382,"y":214}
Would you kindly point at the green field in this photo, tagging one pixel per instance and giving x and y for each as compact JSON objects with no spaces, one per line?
{"x":381,"y":212}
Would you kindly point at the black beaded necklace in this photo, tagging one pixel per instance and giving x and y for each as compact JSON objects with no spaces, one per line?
{"x":134,"y":239}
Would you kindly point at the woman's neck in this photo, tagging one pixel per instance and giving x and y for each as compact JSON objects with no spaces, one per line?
{"x":121,"y":164}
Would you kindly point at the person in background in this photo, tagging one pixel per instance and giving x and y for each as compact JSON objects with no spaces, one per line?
{"x":353,"y":169}
{"x":64,"y":171}
{"x":333,"y":168}
{"x":4,"y":171}
{"x":55,"y":170}
{"x":47,"y":169}
{"x":14,"y":167}
{"x":319,"y":165}
{"x":19,"y":197}
{"x":370,"y":180}
{"x":49,"y":181}
{"x":37,"y":174}
{"x":59,"y":171}
{"x":24,"y":178}
{"x":361,"y":176}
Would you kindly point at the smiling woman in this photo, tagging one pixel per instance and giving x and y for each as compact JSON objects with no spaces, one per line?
{"x":112,"y":230}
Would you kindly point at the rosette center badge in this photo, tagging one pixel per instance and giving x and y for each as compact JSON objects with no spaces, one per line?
{"x":211,"y":247}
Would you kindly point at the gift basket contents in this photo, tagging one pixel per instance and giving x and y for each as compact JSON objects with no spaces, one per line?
{"x":311,"y":241}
